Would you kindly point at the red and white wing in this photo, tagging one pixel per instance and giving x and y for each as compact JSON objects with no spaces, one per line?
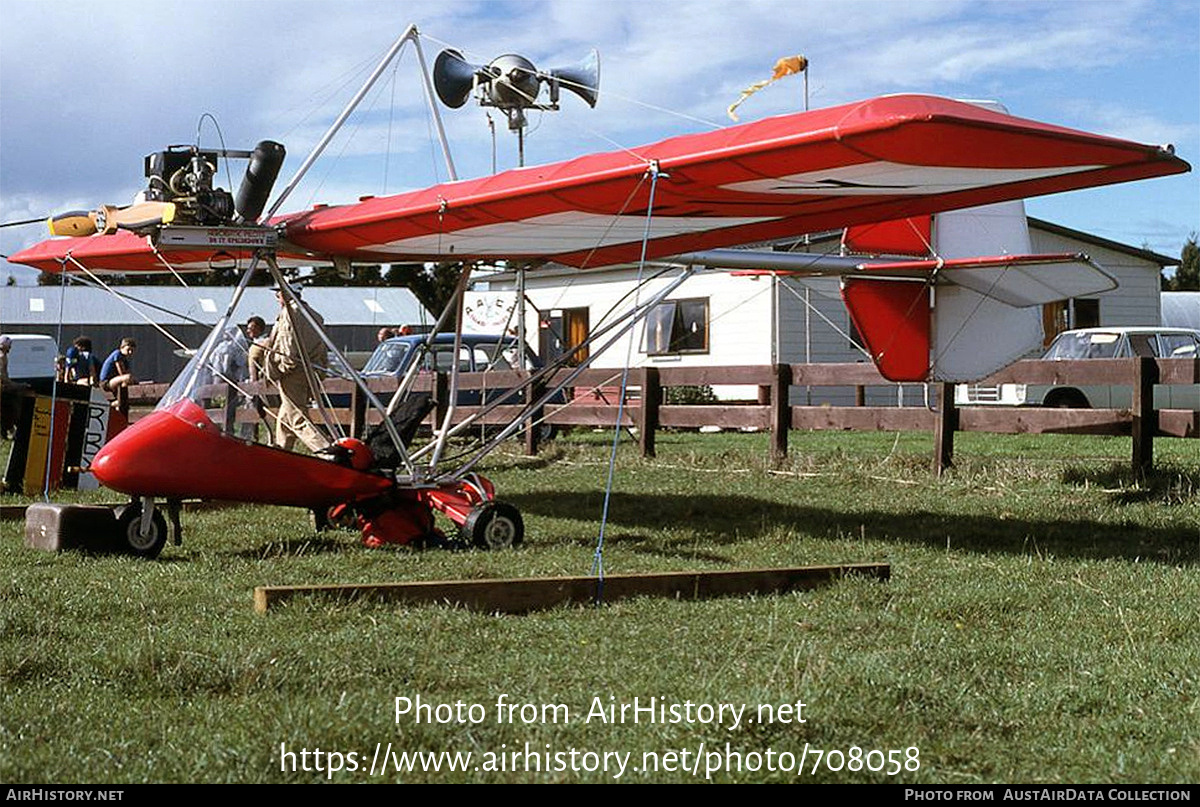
{"x":885,"y":158}
{"x":880,"y":159}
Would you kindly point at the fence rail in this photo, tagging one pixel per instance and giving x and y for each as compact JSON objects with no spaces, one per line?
{"x":593,"y":402}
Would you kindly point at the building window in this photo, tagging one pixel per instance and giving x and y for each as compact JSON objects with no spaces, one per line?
{"x":677,"y":326}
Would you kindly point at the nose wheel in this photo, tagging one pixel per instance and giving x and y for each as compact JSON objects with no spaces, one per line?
{"x":493,"y":525}
{"x":144,"y":541}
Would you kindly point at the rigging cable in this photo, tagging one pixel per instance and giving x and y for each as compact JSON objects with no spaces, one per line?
{"x":598,"y":557}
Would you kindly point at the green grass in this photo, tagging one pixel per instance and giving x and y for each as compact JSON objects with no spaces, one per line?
{"x":1040,"y":624}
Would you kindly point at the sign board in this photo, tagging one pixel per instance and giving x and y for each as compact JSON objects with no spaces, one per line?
{"x":490,"y":312}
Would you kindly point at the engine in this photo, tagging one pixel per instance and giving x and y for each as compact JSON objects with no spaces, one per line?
{"x":183,"y":176}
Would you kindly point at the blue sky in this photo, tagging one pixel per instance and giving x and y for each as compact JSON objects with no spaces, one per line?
{"x":87,"y":89}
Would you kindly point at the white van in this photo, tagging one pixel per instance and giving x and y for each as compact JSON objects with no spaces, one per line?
{"x":31,"y":357}
{"x":1098,"y":343}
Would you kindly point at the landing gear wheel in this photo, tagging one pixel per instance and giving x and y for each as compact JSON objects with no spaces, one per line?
{"x":493,"y":525}
{"x":129,"y":531}
{"x":338,"y":517}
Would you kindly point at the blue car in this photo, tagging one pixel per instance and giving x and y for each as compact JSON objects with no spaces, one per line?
{"x":478,"y":353}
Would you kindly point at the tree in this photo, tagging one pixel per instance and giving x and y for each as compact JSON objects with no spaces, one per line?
{"x":1187,"y":276}
{"x":432,"y":284}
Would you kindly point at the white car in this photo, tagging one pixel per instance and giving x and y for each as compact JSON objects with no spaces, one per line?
{"x":1098,"y":343}
{"x":31,"y":357}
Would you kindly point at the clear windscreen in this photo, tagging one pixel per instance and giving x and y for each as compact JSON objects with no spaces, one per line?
{"x":225,"y":355}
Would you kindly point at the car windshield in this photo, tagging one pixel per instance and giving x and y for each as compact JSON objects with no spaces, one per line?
{"x":1071,"y":345}
{"x":387,"y":359}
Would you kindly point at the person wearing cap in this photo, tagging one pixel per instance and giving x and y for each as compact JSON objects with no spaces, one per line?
{"x":296,"y":348}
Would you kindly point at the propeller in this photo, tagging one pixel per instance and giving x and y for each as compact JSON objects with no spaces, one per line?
{"x":138,"y":218}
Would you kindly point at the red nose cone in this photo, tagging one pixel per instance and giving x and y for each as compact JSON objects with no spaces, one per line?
{"x":179,"y":453}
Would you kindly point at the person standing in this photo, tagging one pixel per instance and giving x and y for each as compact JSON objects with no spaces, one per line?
{"x":296,"y":348}
{"x":260,"y":343}
{"x":9,"y":390}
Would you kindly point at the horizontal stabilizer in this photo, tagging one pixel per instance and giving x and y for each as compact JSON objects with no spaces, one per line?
{"x":1017,"y":280}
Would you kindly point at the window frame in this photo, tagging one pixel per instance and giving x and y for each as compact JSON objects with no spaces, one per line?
{"x":672,"y":348}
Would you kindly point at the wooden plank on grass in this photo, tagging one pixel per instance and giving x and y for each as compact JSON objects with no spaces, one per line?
{"x":531,"y":594}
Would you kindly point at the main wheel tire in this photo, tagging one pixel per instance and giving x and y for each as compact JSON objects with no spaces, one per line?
{"x":129,"y":531}
{"x":338,"y":517}
{"x":494,"y":525}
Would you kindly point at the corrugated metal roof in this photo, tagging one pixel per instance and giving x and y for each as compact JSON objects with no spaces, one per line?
{"x":1181,"y":309}
{"x":167,"y":305}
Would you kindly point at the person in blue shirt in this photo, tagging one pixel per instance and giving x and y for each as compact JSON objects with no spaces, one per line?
{"x":117,"y":373}
{"x":82,"y":366}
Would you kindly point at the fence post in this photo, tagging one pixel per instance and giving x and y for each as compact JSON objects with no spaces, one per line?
{"x":943,"y":430}
{"x":231,"y":406}
{"x":781,"y":412}
{"x":648,"y":414}
{"x":1145,"y":418}
{"x":358,"y":412}
{"x":441,"y":397}
{"x":533,"y":430}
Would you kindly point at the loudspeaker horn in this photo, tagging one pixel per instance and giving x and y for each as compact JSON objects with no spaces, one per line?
{"x":582,"y":78}
{"x":453,"y":77}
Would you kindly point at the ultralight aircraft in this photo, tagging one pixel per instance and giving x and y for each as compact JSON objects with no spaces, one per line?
{"x":879,"y":167}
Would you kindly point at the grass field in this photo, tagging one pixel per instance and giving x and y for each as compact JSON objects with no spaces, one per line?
{"x":1040,"y":626}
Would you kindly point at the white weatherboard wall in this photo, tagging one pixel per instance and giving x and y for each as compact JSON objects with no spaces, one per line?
{"x":741,"y":324}
{"x":1135,"y":301}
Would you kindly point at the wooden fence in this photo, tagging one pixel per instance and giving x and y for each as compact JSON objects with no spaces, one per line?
{"x":593,"y":402}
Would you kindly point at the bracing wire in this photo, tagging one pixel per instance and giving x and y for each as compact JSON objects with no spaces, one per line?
{"x":598,"y":557}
